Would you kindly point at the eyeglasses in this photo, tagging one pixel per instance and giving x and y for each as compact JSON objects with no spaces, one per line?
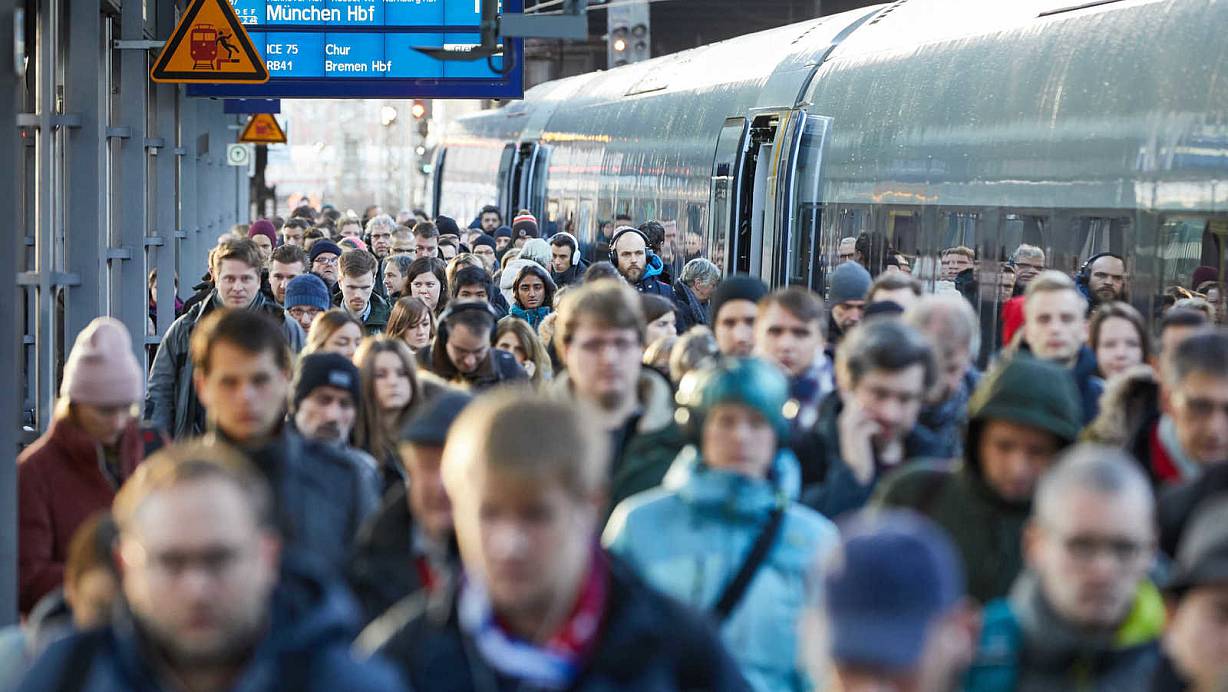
{"x":326,"y":261}
{"x":1033,"y":267}
{"x":1198,"y":407}
{"x":299,"y":313}
{"x":1087,"y":548}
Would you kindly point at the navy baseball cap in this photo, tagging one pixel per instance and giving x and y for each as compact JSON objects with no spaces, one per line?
{"x":898,"y":573}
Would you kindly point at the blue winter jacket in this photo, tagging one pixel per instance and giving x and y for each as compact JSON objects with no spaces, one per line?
{"x":307,"y":647}
{"x":689,"y":537}
{"x":650,"y":282}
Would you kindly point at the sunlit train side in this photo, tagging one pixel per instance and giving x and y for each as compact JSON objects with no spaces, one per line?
{"x":1085,"y":128}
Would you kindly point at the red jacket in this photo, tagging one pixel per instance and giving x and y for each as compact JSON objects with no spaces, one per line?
{"x":60,"y":484}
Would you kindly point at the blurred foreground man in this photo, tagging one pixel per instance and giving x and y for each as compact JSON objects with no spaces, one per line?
{"x":1083,"y":615}
{"x":206,"y":609}
{"x":1196,"y":643}
{"x":540,"y":605}
{"x":896,"y":615}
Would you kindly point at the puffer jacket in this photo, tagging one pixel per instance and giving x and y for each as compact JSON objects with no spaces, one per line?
{"x":986,"y":527}
{"x":646,"y":445}
{"x":62,"y":480}
{"x":312,"y":622}
{"x":170,"y":399}
{"x":690,"y":537}
{"x":1026,"y":647}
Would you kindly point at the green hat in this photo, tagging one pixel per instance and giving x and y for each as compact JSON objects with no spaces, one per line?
{"x":1032,"y":392}
{"x":748,"y":381}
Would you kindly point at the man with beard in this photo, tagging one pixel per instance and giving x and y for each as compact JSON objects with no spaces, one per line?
{"x":358,"y":298}
{"x":1103,"y":280}
{"x":599,"y":336}
{"x":637,"y":264}
{"x":849,"y":284}
{"x":210,"y":601}
{"x":491,"y":218}
{"x":324,"y":408}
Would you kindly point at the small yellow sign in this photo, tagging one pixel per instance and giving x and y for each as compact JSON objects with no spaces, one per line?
{"x":210,"y":46}
{"x":263,"y":128}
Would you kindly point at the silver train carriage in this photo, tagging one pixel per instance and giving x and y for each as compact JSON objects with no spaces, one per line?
{"x":1080,"y":127}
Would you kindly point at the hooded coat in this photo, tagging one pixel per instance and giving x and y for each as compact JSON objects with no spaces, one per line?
{"x":986,"y":527}
{"x":651,"y":281}
{"x":1086,"y":373}
{"x":62,"y":479}
{"x":307,"y":647}
{"x":689,"y":538}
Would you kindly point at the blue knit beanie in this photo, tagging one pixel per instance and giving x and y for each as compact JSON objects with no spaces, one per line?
{"x":308,"y":290}
{"x":850,"y":281}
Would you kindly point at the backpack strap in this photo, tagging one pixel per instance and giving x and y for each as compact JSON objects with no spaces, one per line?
{"x":996,"y":666}
{"x":736,"y":588}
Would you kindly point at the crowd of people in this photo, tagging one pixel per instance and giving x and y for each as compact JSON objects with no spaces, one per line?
{"x":393,"y":453}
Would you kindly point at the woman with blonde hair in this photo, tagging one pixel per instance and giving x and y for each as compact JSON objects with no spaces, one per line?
{"x":391,"y":394}
{"x":334,"y":331}
{"x":412,"y":322}
{"x":515,"y":336}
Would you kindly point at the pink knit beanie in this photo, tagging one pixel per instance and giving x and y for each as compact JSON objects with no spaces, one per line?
{"x":101,"y":369}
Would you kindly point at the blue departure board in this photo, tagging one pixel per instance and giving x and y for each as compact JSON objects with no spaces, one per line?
{"x":366,"y":49}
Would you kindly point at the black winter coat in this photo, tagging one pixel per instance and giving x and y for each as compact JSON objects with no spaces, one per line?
{"x":648,"y":642}
{"x":381,"y":571}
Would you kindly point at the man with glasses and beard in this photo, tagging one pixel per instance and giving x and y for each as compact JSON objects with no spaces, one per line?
{"x":211,"y":602}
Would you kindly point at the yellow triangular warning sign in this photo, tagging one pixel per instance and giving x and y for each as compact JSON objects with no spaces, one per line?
{"x":210,"y":46}
{"x":263,"y":129}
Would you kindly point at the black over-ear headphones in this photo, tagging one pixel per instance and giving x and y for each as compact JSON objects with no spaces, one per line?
{"x":1084,"y":277}
{"x":620,"y":233}
{"x":441,"y":330}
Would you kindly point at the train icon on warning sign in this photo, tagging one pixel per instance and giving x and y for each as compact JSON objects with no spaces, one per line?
{"x":210,"y":46}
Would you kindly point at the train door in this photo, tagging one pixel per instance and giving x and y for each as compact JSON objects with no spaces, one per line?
{"x":795,"y":259}
{"x":743,"y":173}
{"x":509,"y":166}
{"x":532,"y":182}
{"x":521,"y":180}
{"x":725,"y":200}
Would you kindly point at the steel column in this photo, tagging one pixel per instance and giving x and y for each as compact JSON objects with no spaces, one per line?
{"x":164,"y":242}
{"x":10,"y":408}
{"x":127,"y":242}
{"x":84,"y":181}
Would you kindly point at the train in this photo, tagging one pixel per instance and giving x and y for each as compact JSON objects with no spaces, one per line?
{"x":1078,"y":126}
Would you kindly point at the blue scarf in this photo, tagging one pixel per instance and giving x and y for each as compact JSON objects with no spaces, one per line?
{"x":534,"y":317}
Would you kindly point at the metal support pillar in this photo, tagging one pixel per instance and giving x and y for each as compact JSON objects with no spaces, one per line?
{"x":10,"y":408}
{"x":164,"y":242}
{"x":42,"y":125}
{"x":193,"y":250}
{"x":84,"y":180}
{"x":126,"y":253}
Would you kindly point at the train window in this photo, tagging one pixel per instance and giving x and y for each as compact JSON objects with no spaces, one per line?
{"x":1023,"y":229}
{"x":1181,"y":249}
{"x":960,"y":228}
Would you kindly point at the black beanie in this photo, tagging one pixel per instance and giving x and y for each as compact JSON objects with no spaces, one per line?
{"x":447,"y":226}
{"x":736,"y":287}
{"x":325,"y":370}
{"x":486,"y":240}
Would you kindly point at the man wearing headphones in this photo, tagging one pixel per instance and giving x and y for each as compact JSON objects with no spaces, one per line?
{"x":566,"y":265}
{"x":629,"y":253}
{"x":461,"y":353}
{"x":1102,"y":279}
